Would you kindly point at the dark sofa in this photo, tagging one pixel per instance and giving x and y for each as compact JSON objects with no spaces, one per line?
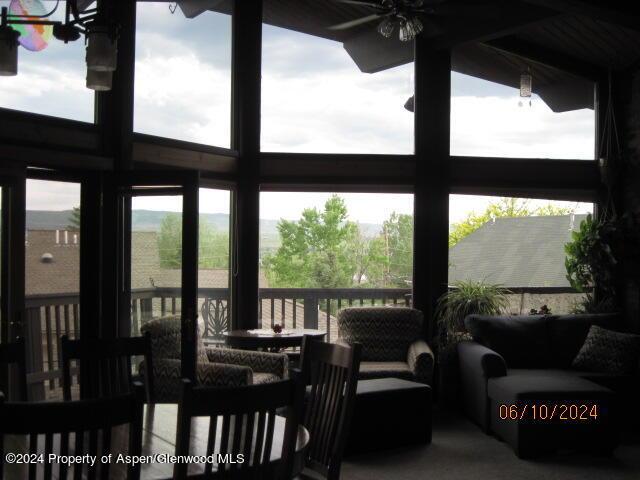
{"x":528,"y":358}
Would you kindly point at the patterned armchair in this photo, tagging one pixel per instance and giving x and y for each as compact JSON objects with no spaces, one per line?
{"x":221,"y":367}
{"x":392,"y":342}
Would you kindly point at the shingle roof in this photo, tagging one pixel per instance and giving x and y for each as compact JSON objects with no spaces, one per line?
{"x":515,"y":252}
{"x":59,"y":275}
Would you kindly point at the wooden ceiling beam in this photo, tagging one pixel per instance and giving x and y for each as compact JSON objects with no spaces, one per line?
{"x":540,"y":54}
{"x":624,"y":13}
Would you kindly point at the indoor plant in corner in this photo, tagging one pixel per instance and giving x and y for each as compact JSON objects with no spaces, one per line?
{"x":462,"y":298}
{"x":592,"y":264}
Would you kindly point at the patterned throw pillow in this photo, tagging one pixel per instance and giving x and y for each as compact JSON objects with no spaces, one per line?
{"x":606,"y":351}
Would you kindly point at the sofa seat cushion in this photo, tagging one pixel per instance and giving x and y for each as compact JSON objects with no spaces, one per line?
{"x":260,"y":377}
{"x":385,"y":369}
{"x":621,"y":384}
{"x":521,"y":340}
{"x":542,"y":385}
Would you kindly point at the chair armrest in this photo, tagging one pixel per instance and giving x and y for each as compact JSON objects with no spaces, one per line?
{"x":420,"y":359}
{"x":223,"y":375}
{"x":167,"y":378}
{"x":263,"y":362}
{"x":481,"y":360}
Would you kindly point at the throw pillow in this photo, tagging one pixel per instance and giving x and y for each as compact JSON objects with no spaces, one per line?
{"x":606,"y":351}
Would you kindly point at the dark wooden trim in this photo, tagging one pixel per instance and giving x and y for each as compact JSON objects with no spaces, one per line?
{"x":53,"y":157}
{"x":90,"y":256}
{"x":332,"y":184}
{"x":189,"y":310}
{"x":115,"y":108}
{"x":366,"y":168}
{"x":431,"y":205}
{"x":246,"y":92}
{"x":513,"y":45}
{"x":523,"y":173}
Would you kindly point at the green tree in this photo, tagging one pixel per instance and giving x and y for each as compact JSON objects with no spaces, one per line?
{"x":74,"y":219}
{"x":505,"y":207}
{"x":397,"y":235}
{"x":213,"y":250}
{"x":316,"y":251}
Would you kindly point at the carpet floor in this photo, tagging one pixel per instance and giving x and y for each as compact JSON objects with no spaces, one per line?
{"x":460,"y":450}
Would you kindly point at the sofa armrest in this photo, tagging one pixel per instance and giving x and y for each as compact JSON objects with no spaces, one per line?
{"x":477,"y":364}
{"x":263,"y":362}
{"x":420,"y":359}
{"x":481,"y":360}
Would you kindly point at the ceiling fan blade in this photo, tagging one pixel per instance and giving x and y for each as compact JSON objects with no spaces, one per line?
{"x":362,"y":3}
{"x":358,"y":21}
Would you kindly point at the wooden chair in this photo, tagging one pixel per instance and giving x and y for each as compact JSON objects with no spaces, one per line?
{"x":105,"y":365}
{"x":83,"y":427}
{"x":245,"y":418}
{"x":15,"y":354}
{"x":329,"y":374}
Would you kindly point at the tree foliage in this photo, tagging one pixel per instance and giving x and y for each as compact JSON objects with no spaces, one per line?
{"x":324,"y":249}
{"x":74,"y":219}
{"x":213,"y":251}
{"x":503,"y":208}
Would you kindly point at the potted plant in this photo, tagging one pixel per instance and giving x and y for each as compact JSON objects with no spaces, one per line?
{"x":591,"y":263}
{"x":462,"y":298}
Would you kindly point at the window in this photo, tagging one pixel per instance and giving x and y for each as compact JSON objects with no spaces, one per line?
{"x":156,"y":258}
{"x":491,"y":120}
{"x":52,"y":272}
{"x":315,"y":99}
{"x":50,"y":81}
{"x":183,"y":74}
{"x":517,"y":244}
{"x":213,"y":268}
{"x":322,"y":251}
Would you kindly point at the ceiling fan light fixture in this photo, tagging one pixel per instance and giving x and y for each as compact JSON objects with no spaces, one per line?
{"x":410,"y":28}
{"x":99,"y":81}
{"x":386,"y":27}
{"x":8,"y":51}
{"x":102,"y":49}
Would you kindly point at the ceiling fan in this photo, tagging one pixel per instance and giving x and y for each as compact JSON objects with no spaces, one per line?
{"x":403,"y":14}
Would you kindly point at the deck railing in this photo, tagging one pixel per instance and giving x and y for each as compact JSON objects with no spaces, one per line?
{"x":48,"y":317}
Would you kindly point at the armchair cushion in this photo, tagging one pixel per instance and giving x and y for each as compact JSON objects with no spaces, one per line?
{"x":370,"y":370}
{"x":165,"y":337}
{"x":384,"y":332}
{"x":420,"y":360}
{"x":167,"y":377}
{"x":275,"y":364}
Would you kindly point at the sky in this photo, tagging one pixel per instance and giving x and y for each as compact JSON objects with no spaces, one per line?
{"x":314,"y":99}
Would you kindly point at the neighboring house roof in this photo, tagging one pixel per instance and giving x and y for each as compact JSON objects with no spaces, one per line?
{"x":515,"y":252}
{"x":52,"y":266}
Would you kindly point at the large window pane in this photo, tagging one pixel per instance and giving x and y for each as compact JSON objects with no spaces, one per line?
{"x":517,"y":244}
{"x":50,"y":81}
{"x":52,"y":273}
{"x":183,"y":75}
{"x":156,"y":258}
{"x":213,"y":268}
{"x":315,"y":99}
{"x":335,"y":250}
{"x":491,"y":120}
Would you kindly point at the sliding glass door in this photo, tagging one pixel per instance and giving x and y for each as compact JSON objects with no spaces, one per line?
{"x":159,"y":222}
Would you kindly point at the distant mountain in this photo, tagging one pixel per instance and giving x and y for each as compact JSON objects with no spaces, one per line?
{"x":150,"y":221}
{"x":48,"y":220}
